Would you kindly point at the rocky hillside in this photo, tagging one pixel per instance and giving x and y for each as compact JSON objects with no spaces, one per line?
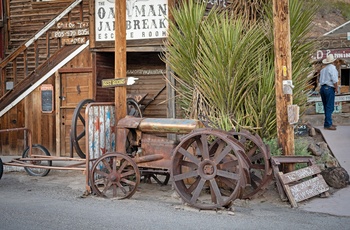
{"x":331,"y":14}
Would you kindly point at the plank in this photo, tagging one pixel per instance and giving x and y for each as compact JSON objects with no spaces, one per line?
{"x":300,"y":174}
{"x":309,"y":188}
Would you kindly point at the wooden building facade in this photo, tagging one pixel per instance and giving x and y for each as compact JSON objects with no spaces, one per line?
{"x":336,"y":42}
{"x":56,"y":54}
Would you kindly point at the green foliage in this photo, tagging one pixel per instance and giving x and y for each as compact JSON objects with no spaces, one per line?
{"x":224,"y":68}
{"x":300,"y":148}
{"x":273,"y":146}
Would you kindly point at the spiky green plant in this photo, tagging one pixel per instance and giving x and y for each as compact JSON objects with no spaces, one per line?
{"x":224,"y":68}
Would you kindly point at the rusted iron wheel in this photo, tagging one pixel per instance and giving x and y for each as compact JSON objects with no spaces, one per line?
{"x":114,"y":175}
{"x":208,"y":177}
{"x":133,"y":108}
{"x":258,"y":157}
{"x":37,"y":151}
{"x":77,"y":131}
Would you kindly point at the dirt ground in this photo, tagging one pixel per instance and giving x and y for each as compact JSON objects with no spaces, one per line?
{"x":74,"y":182}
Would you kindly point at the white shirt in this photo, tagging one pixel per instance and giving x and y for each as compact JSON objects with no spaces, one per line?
{"x":329,"y":75}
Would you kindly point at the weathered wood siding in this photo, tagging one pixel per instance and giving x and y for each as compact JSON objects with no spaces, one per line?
{"x":146,"y":66}
{"x":25,"y":18}
{"x":151,"y":71}
{"x":77,"y":80}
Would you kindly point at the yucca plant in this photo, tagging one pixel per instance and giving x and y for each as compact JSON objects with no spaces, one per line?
{"x":224,"y":66}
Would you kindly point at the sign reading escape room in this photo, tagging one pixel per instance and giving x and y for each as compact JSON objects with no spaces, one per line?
{"x":145,"y":19}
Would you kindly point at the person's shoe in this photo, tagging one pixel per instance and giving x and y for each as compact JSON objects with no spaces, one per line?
{"x":330,"y":128}
{"x":334,"y":126}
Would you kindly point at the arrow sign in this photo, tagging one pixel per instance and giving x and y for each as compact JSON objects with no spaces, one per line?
{"x":118,"y":82}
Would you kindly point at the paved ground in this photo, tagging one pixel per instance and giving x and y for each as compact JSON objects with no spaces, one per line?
{"x":339,"y":202}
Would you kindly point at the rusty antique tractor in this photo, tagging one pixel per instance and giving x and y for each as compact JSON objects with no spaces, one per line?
{"x":209,"y":168}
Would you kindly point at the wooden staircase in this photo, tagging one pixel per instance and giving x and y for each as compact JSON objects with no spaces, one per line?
{"x":28,"y":66}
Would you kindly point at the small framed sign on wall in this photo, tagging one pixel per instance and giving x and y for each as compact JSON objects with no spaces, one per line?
{"x":46,"y":98}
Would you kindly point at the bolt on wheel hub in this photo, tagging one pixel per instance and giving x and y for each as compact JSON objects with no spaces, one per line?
{"x":207,"y":169}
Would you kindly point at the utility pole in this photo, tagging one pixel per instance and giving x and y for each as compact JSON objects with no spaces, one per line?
{"x":120,"y":57}
{"x":283,"y":76}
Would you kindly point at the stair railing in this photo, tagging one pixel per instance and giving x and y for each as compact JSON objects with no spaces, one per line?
{"x":24,"y":49}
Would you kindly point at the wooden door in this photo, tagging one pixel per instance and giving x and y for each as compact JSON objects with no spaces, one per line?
{"x":75,"y":87}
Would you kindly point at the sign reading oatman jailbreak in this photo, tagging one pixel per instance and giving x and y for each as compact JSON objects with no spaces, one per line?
{"x":145,"y":19}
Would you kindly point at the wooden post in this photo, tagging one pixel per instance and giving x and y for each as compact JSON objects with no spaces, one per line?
{"x":283,"y":71}
{"x":120,"y":57}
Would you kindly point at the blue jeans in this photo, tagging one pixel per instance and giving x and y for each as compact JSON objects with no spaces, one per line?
{"x":328,"y":97}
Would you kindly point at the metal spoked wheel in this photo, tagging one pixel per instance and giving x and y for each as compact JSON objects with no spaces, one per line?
{"x":1,"y":168}
{"x":114,"y":175}
{"x":208,"y":177}
{"x":78,"y":121}
{"x":133,"y":108}
{"x":38,"y":151}
{"x":258,"y":157}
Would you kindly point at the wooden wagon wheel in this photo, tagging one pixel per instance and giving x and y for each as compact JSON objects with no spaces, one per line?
{"x":133,"y":108}
{"x":206,"y":177}
{"x":258,"y":157}
{"x":114,"y":175}
{"x":78,"y":120}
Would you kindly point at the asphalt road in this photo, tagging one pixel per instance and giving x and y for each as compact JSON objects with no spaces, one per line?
{"x":55,"y":202}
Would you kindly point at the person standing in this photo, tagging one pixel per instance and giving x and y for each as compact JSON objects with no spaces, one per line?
{"x":329,"y":86}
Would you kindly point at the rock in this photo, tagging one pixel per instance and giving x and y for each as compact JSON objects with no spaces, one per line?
{"x":336,"y":177}
{"x":312,"y":132}
{"x":314,"y":149}
{"x":323,"y":145}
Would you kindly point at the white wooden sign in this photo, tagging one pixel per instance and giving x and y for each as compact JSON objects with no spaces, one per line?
{"x":320,"y":109}
{"x":337,"y":98}
{"x":145,"y":19}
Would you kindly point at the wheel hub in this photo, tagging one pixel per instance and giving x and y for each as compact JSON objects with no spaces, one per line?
{"x":114,"y":177}
{"x":207,"y":169}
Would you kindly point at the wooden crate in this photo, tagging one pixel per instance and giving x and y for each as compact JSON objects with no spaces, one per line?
{"x":300,"y":184}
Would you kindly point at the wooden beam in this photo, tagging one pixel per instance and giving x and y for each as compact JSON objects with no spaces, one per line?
{"x":120,"y":58}
{"x":58,"y":112}
{"x":283,"y":71}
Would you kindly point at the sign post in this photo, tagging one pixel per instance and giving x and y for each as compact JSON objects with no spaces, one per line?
{"x":120,"y":58}
{"x":283,"y":73}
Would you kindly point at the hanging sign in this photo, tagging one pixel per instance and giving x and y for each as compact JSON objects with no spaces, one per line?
{"x":118,"y":82}
{"x":338,"y":53}
{"x":145,"y":19}
{"x":46,"y":98}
